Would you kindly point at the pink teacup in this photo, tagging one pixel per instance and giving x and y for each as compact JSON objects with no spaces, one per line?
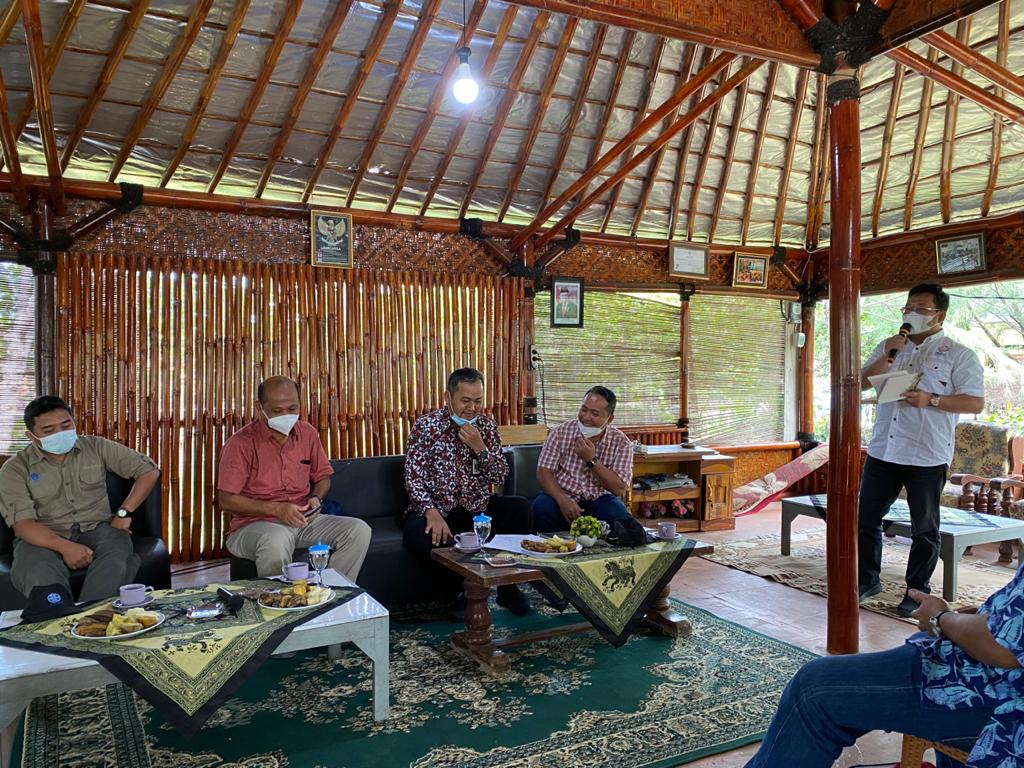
{"x":134,"y":594}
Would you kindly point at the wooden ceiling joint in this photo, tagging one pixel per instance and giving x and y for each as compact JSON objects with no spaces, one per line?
{"x":963,"y":33}
{"x":44,"y":113}
{"x":10,"y":147}
{"x":755,"y":158}
{"x":802,"y":85}
{"x":898,"y":75}
{"x":920,"y":136}
{"x":1002,"y":51}
{"x":730,"y":154}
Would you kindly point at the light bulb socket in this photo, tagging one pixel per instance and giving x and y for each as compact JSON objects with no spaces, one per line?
{"x":463,"y":53}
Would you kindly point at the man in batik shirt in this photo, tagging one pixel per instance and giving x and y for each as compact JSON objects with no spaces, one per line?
{"x":453,"y":461}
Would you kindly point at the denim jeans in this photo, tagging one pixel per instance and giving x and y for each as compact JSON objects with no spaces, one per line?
{"x":548,"y":517}
{"x":834,"y":700}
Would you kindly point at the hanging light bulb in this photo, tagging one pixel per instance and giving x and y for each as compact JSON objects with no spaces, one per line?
{"x":465,"y":89}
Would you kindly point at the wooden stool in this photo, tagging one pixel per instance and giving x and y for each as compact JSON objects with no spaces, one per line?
{"x":914,"y":749}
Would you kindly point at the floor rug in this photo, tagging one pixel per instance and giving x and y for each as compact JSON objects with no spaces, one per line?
{"x":804,"y":569}
{"x":569,"y":702}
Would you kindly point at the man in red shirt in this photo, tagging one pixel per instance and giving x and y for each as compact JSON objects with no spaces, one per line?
{"x":274,"y":475}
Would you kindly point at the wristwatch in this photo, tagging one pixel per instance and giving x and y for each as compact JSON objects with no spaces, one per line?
{"x":122,"y":513}
{"x":482,"y":456}
{"x":591,"y":463}
{"x":934,"y":401}
{"x":935,"y":627}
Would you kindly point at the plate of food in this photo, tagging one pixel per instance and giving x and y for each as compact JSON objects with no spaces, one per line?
{"x":555,"y":546}
{"x":500,"y":560}
{"x":108,"y":625}
{"x":293,"y":599}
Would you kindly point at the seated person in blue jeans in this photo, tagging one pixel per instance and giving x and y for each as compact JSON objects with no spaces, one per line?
{"x":585,"y":466}
{"x":961,"y":684}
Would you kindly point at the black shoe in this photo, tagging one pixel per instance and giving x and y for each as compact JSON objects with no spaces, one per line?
{"x":868,"y":591}
{"x":457,"y":611}
{"x":907,"y":606}
{"x":511,"y":598}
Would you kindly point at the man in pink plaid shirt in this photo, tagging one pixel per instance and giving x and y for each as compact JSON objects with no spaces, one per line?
{"x":584,"y":467}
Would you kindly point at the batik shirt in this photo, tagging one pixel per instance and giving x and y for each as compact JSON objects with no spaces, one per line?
{"x":951,"y":678}
{"x":442,"y":472}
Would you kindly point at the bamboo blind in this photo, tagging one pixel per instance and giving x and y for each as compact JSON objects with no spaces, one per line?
{"x":164,"y":355}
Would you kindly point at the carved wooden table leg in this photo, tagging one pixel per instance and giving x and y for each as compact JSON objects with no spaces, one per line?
{"x":662,"y":617}
{"x":477,"y":640}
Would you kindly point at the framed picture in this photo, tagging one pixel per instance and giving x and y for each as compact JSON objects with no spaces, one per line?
{"x":966,"y":253}
{"x":566,"y":302}
{"x":750,"y":271}
{"x":331,"y":239}
{"x":688,"y":260}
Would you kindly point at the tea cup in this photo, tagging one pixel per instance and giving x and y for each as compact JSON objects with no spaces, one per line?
{"x":667,"y":530}
{"x":469,"y":540}
{"x":134,"y":594}
{"x":296,"y":571}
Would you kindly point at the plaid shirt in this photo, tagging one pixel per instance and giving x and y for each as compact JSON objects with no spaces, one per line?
{"x":614,"y":450}
{"x":442,"y":472}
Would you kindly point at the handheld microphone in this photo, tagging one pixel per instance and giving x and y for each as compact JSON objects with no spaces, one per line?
{"x":905,"y":330}
{"x":232,"y":600}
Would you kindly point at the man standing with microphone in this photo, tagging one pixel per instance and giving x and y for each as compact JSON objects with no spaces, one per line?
{"x":912,"y":442}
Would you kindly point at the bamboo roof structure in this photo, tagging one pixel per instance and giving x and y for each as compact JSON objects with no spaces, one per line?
{"x":704,"y":125}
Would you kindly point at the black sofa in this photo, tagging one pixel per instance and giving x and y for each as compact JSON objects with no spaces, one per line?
{"x":373,"y":489}
{"x":155,"y":561}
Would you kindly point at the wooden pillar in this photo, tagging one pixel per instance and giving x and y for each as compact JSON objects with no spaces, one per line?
{"x":844,"y":338}
{"x":805,"y":403}
{"x":685,"y":292}
{"x":529,"y":371}
{"x":45,"y":322}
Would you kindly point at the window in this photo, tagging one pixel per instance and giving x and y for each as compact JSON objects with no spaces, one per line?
{"x":629,"y":343}
{"x":17,"y":353}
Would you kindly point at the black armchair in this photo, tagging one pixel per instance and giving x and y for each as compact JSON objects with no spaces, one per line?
{"x":155,"y":561}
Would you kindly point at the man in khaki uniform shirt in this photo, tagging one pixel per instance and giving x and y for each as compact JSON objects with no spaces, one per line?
{"x":53,"y":494}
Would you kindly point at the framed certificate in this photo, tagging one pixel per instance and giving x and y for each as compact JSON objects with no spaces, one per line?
{"x":688,"y":260}
{"x":331,"y":239}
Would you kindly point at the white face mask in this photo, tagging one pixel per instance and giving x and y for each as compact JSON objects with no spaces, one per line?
{"x":589,"y":432}
{"x":283,"y":424}
{"x":59,"y":443}
{"x":918,"y":323}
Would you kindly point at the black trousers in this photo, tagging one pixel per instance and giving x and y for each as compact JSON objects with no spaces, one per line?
{"x":880,"y":485}
{"x":509,"y":514}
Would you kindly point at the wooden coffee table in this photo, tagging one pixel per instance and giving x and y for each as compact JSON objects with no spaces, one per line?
{"x":477,"y":640}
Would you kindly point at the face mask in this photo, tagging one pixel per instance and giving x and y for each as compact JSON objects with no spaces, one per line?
{"x":589,"y":432}
{"x":461,"y":422}
{"x":918,"y":323}
{"x":59,"y":442}
{"x":283,"y":424}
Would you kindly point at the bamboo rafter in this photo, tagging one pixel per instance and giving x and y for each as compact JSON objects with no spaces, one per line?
{"x":755,"y":163}
{"x":730,"y":154}
{"x":40,"y":84}
{"x":958,"y":50}
{"x":919,"y":141}
{"x":818,"y":156}
{"x":883,"y":165}
{"x":682,"y":158}
{"x":1002,"y":49}
{"x":702,"y":166}
{"x":802,"y":85}
{"x":963,"y":32}
{"x":10,"y":147}
{"x":9,"y":19}
{"x":822,"y":185}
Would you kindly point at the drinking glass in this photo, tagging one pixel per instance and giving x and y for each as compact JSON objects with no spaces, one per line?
{"x":482,"y":527}
{"x":319,"y":554}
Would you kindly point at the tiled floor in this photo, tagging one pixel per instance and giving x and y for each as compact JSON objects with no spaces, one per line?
{"x":768,"y":607}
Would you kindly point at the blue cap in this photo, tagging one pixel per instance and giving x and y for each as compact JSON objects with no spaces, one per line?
{"x":482,"y":518}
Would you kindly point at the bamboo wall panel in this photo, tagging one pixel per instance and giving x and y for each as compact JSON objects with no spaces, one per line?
{"x":164,"y":354}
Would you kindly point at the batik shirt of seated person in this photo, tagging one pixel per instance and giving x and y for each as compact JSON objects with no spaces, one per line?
{"x":953,"y":679}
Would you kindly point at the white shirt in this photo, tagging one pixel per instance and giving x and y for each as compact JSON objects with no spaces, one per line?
{"x":923,"y":437}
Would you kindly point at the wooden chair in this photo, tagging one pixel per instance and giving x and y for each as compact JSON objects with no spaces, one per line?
{"x":1006,"y":493}
{"x":914,"y":749}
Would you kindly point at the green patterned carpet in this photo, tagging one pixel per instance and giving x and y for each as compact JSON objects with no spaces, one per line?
{"x":572,"y":701}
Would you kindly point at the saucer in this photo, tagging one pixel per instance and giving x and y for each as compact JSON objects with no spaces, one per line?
{"x":118,"y":605}
{"x":467,"y":550}
{"x":667,"y":538}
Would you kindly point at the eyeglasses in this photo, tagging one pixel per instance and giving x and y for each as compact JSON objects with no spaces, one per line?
{"x":919,"y":310}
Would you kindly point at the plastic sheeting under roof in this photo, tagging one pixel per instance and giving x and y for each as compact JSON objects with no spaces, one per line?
{"x":708,"y":194}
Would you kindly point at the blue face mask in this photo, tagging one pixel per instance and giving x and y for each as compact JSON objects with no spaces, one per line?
{"x":59,"y":442}
{"x":461,"y":422}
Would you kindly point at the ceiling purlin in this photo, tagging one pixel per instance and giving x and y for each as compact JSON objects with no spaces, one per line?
{"x":428,"y":12}
{"x":963,"y":32}
{"x":504,"y":28}
{"x":923,"y":112}
{"x":440,"y":90}
{"x":10,"y":147}
{"x":898,"y":76}
{"x":646,"y":104}
{"x":661,"y":140}
{"x":110,"y":65}
{"x":575,"y":112}
{"x":316,"y":63}
{"x":380,"y":36}
{"x":755,"y":158}
{"x":679,"y":180}
{"x":702,"y":166}
{"x":655,"y":167}
{"x":1002,"y":50}
{"x":226,"y":44}
{"x":174,"y":61}
{"x":730,"y":153}
{"x":37,"y":70}
{"x":540,"y":23}
{"x":787,"y":164}
{"x":818,"y":150}
{"x":256,"y":94}
{"x":543,"y":102}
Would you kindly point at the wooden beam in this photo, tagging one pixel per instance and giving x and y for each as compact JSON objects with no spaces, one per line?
{"x":170,"y":70}
{"x":504,"y":28}
{"x":37,"y":69}
{"x":226,"y":44}
{"x":741,"y":75}
{"x":702,"y":167}
{"x":10,"y":147}
{"x":819,"y":195}
{"x":911,"y":20}
{"x":543,"y":101}
{"x":373,"y":49}
{"x":802,"y":84}
{"x":284,"y":28}
{"x":646,"y":103}
{"x":730,"y":153}
{"x":316,"y":63}
{"x":691,"y":86}
{"x":575,"y":112}
{"x":923,"y":112}
{"x":963,"y":32}
{"x":9,"y":19}
{"x":428,"y":11}
{"x":540,"y":23}
{"x":961,"y":53}
{"x":883,"y":163}
{"x":440,"y":90}
{"x":682,"y":157}
{"x":818,"y":154}
{"x":755,"y":163}
{"x":1002,"y":49}
{"x":113,"y":60}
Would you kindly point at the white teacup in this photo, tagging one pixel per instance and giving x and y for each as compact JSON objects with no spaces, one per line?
{"x":470,"y":540}
{"x":134,"y":594}
{"x":667,"y":530}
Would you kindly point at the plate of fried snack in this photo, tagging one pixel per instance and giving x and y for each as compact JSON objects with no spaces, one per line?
{"x":295,"y":598}
{"x":110,"y":625}
{"x":554,"y":546}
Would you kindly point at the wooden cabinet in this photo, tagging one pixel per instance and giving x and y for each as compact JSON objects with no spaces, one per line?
{"x":712,"y":474}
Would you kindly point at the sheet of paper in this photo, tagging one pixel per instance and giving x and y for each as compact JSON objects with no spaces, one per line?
{"x":891,"y":386}
{"x":509,"y":542}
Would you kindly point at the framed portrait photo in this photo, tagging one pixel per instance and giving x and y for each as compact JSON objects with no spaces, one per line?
{"x":566,"y":302}
{"x":331,"y":239}
{"x":965,"y":253}
{"x":688,"y":260}
{"x":749,"y":271}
